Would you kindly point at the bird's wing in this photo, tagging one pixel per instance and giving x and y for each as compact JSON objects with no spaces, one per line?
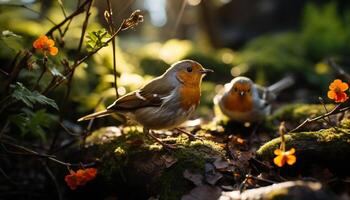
{"x":151,"y":94}
{"x":270,"y":93}
{"x":264,"y":94}
{"x":281,"y":85}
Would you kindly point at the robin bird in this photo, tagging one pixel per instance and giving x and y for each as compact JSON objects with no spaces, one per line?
{"x":244,"y":101}
{"x":165,"y":102}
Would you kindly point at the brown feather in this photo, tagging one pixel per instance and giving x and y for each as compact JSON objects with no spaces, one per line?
{"x":153,"y":92}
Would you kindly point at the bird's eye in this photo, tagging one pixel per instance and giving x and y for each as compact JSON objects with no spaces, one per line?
{"x":248,"y":90}
{"x":189,"y":69}
{"x":235,"y":89}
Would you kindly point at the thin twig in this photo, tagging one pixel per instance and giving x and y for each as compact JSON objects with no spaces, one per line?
{"x":327,"y":119}
{"x":12,"y":75}
{"x":42,"y":73}
{"x":4,"y":73}
{"x":86,"y":132}
{"x":110,"y":22}
{"x":7,"y":176}
{"x":82,"y":36}
{"x":30,"y":9}
{"x":78,"y":11}
{"x":62,"y":8}
{"x":339,"y":69}
{"x":70,"y":21}
{"x":261,"y":179}
{"x":282,"y":132}
{"x":337,"y":109}
{"x":54,"y":180}
{"x":126,"y":24}
{"x":64,"y":146}
{"x":4,"y":128}
{"x":17,"y":67}
{"x":41,"y":155}
{"x":67,"y":130}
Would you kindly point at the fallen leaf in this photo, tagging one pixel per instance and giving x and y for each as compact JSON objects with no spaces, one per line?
{"x":241,"y":158}
{"x":212,"y":178}
{"x":195,"y":178}
{"x":209,"y":167}
{"x":169,"y":160}
{"x":220,"y":164}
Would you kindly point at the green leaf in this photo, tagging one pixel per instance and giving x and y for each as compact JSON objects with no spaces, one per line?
{"x":11,"y":40}
{"x":33,"y":122}
{"x":97,"y":39}
{"x":20,"y":120}
{"x":21,"y":93}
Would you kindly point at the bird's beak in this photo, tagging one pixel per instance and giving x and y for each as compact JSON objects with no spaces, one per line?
{"x":242,"y":93}
{"x":205,"y":71}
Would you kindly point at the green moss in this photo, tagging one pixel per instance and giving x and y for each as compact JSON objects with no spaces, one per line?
{"x":127,"y":149}
{"x":173,"y":184}
{"x":326,"y":144}
{"x":345,"y":123}
{"x":299,"y":112}
{"x":192,"y":155}
{"x":113,"y":146}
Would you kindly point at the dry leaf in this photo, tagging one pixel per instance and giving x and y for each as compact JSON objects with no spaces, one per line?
{"x":195,"y":178}
{"x":169,"y":160}
{"x":220,"y":164}
{"x":212,"y":178}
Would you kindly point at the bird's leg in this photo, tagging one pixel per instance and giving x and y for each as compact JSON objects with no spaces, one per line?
{"x":188,"y":134}
{"x":149,"y":133}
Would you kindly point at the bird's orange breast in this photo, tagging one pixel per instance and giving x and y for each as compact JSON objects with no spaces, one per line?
{"x":190,"y":96}
{"x":236,"y":103}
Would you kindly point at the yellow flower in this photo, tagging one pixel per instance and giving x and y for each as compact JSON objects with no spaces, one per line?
{"x":283,"y":157}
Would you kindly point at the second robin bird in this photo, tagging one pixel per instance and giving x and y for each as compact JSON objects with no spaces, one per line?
{"x":165,"y":102}
{"x":244,"y":101}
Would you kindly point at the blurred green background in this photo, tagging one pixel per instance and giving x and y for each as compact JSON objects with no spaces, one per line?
{"x":264,"y":40}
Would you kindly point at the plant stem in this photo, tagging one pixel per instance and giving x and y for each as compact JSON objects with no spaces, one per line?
{"x":112,"y":30}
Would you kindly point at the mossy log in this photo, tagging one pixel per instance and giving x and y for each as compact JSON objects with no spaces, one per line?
{"x":330,"y":147}
{"x":292,"y":114}
{"x":129,"y":161}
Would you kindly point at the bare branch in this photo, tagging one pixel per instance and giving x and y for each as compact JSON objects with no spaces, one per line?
{"x":337,"y":109}
{"x":78,"y":11}
{"x":339,"y":69}
{"x":109,"y":19}
{"x":31,"y":152}
{"x":54,"y":180}
{"x":134,"y":19}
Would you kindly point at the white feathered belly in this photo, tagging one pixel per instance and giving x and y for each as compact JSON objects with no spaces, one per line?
{"x":161,"y":117}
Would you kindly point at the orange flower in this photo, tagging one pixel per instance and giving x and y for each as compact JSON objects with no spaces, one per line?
{"x":46,"y":45}
{"x":284,"y":156}
{"x":337,"y":91}
{"x":81,"y":177}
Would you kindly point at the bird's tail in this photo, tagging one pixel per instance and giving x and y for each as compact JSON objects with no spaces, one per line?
{"x":96,"y":115}
{"x":281,"y":85}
